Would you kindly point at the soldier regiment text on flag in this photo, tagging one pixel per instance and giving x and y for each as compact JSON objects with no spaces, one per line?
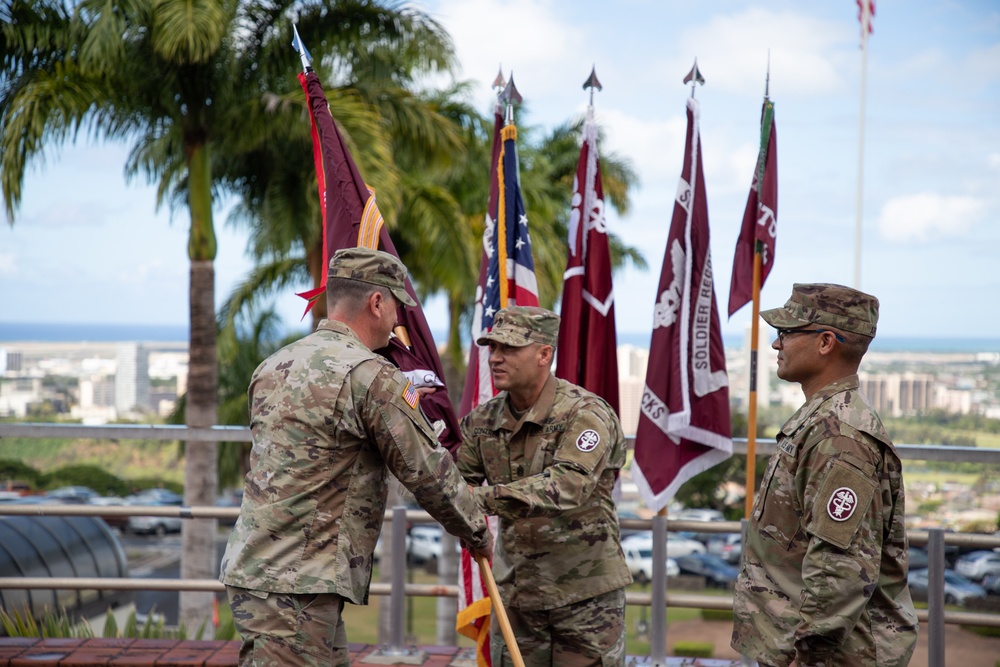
{"x":684,"y":425}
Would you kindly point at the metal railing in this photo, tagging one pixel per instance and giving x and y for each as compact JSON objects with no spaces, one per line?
{"x":936,"y":539}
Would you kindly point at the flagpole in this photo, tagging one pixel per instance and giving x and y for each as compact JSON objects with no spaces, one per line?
{"x":758,"y":263}
{"x":865,"y":23}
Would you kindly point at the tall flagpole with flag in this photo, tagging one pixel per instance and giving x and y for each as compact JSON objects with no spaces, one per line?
{"x":753,"y":260}
{"x":587,"y":351}
{"x":866,"y":12}
{"x":350,"y":219}
{"x":508,"y":280}
{"x":684,"y":425}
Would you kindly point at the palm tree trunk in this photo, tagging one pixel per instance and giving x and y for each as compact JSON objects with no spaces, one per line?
{"x":199,"y":558}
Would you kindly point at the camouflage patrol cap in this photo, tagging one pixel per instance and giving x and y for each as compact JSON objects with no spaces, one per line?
{"x":374,"y":267}
{"x":836,"y":306}
{"x":518,"y":326}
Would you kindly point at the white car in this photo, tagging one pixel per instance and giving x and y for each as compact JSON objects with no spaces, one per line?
{"x":639,"y":558}
{"x":423,"y":544}
{"x":676,"y":544}
{"x":978,"y":565}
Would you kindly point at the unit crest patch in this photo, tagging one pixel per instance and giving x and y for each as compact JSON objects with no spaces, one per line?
{"x":588,"y":440}
{"x":842,"y":504}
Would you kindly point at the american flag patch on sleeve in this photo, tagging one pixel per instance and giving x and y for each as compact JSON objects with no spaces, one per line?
{"x":410,"y":395}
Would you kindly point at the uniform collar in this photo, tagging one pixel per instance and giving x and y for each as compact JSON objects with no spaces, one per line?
{"x":536,"y":414}
{"x":338,"y":327}
{"x":868,"y":421}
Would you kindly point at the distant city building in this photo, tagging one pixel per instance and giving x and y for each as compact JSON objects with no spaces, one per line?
{"x":899,"y":394}
{"x":10,"y":361}
{"x":17,"y":394}
{"x":132,"y":378}
{"x":632,"y":362}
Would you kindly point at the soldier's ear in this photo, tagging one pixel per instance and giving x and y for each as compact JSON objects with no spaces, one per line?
{"x":545,"y":355}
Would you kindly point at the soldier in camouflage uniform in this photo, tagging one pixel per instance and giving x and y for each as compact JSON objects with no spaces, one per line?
{"x":823,"y":581}
{"x":549,"y":451}
{"x":328,"y":417}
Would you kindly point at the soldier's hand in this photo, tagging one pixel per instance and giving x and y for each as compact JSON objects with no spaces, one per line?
{"x":486,"y":552}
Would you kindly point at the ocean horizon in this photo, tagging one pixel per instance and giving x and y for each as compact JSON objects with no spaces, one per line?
{"x":171,"y":333}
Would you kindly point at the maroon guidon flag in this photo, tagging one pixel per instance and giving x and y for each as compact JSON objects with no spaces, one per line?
{"x":587,"y":351}
{"x":684,"y":418}
{"x":760,"y":218}
{"x":352,"y":219}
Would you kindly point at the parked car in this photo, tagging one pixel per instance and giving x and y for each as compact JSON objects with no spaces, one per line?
{"x":957,"y":589}
{"x":639,"y":558}
{"x":423,"y":544}
{"x":977,"y":565}
{"x":918,"y":558}
{"x":116,"y":521}
{"x":700,"y":514}
{"x":716,"y":571}
{"x":154,"y":525}
{"x":627,"y":514}
{"x":991,"y":584}
{"x":73,"y":495}
{"x":728,"y":546}
{"x":676,"y":544}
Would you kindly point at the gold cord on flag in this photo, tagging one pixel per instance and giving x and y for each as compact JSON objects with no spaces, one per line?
{"x":371,"y":223}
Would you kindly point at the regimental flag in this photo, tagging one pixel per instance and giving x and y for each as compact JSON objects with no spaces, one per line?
{"x":760,"y":218}
{"x":506,"y":278}
{"x":352,"y":219}
{"x":684,"y":418}
{"x":587,"y":351}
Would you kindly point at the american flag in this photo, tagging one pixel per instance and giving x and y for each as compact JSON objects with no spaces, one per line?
{"x":507,"y":278}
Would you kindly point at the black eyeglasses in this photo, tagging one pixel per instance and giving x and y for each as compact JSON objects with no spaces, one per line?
{"x":785,"y":332}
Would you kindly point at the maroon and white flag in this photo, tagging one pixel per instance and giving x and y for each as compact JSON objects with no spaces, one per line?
{"x":760,"y":218}
{"x":587,"y":351}
{"x":352,"y":219}
{"x":684,"y":424}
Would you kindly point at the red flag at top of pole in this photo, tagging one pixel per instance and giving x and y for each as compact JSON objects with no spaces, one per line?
{"x":866,"y":14}
{"x":352,"y":219}
{"x":684,"y":425}
{"x":587,"y":353}
{"x":760,"y":218}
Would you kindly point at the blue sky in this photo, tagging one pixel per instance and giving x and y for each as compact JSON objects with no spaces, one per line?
{"x":88,"y":247}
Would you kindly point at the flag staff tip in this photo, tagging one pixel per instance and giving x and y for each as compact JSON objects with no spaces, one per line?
{"x":499,"y":83}
{"x":767,"y":79}
{"x":301,"y":49}
{"x":694,"y":77}
{"x":592,"y":82}
{"x":510,"y":96}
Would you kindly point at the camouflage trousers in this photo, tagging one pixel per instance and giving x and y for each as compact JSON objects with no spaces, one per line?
{"x":289,"y":629}
{"x":589,"y":633}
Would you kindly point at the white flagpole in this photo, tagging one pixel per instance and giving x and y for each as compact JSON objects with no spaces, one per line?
{"x":865,"y":22}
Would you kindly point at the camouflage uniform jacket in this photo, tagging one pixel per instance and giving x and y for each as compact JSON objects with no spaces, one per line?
{"x":328,"y":416}
{"x":824,"y":570}
{"x":551,"y":476}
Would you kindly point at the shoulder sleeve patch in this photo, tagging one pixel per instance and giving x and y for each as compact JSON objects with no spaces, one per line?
{"x":840,"y":504}
{"x":410,"y":395}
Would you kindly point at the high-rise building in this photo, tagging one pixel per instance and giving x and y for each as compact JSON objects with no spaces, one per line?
{"x":132,"y":378}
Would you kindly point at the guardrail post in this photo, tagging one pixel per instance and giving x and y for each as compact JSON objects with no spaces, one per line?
{"x":935,"y":597}
{"x":658,"y":613}
{"x":397,"y":652}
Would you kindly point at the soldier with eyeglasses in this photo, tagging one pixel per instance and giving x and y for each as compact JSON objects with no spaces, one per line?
{"x":823,"y":578}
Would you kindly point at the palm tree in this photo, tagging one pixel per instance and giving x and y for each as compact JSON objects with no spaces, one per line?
{"x":179,"y":79}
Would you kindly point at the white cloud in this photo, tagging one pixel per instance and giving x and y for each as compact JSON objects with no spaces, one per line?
{"x":923,"y":217}
{"x":733,"y":49}
{"x":8,"y":264}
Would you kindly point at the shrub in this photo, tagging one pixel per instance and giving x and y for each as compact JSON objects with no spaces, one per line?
{"x":691,"y":649}
{"x":15,"y":471}
{"x":144,"y":483}
{"x":60,"y":626}
{"x":717,"y":615}
{"x":95,"y":477}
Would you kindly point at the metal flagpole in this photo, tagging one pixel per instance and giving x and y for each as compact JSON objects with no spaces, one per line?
{"x":865,"y":23}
